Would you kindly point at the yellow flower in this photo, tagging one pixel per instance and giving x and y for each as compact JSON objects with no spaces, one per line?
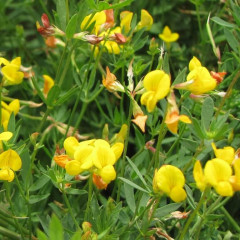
{"x":4,"y":136}
{"x":98,"y":19}
{"x":48,"y":84}
{"x":199,"y":176}
{"x":173,"y":116}
{"x":227,"y":153}
{"x":6,"y":109}
{"x":125,"y":21}
{"x":9,"y":162}
{"x":82,"y":160}
{"x":146,"y":20}
{"x":157,"y":84}
{"x":10,"y":71}
{"x":167,"y":35}
{"x":199,"y":80}
{"x":111,"y":83}
{"x":170,"y":180}
{"x":218,"y":173}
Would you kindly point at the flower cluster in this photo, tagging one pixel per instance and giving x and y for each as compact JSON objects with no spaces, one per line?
{"x":218,"y":172}
{"x":95,"y":155}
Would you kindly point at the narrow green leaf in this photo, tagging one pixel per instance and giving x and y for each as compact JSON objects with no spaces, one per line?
{"x":197,"y":128}
{"x":37,"y":198}
{"x":39,"y":91}
{"x":91,"y":4}
{"x":61,"y":12}
{"x":231,"y":39}
{"x":53,"y":95}
{"x":129,"y":194}
{"x":167,"y":209}
{"x":181,"y":77}
{"x":137,"y":172}
{"x":25,"y":171}
{"x":133,"y":184}
{"x":77,"y":235}
{"x":223,"y":23}
{"x":75,"y":191}
{"x":67,"y":95}
{"x":71,"y":27}
{"x":55,"y":229}
{"x":165,"y":64}
{"x":104,"y":5}
{"x":207,"y":112}
{"x":39,"y":183}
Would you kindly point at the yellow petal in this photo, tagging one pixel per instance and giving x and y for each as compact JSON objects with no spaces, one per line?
{"x":168,"y":36}
{"x":108,"y":173}
{"x":73,"y":167}
{"x":83,"y":156}
{"x":10,"y":159}
{"x":227,"y":153}
{"x":224,"y":189}
{"x":185,"y":119}
{"x":117,"y":148}
{"x":12,"y":75}
{"x":148,"y":99}
{"x":48,"y":84}
{"x":199,"y":176}
{"x":217,"y":170}
{"x":146,"y":20}
{"x":70,"y":145}
{"x":6,"y":174}
{"x":4,"y":61}
{"x":17,"y":62}
{"x":178,"y":194}
{"x":125,"y":21}
{"x":194,"y":63}
{"x":14,"y":106}
{"x":5,"y":136}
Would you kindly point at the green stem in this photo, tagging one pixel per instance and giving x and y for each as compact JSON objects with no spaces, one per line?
{"x":6,"y":184}
{"x":228,"y":93}
{"x":80,"y":117}
{"x":67,"y":11}
{"x":29,"y":116}
{"x":125,"y":149}
{"x":9,"y":234}
{"x":69,"y":208}
{"x":151,"y":64}
{"x":199,"y":21}
{"x":90,"y":192}
{"x":192,"y":216}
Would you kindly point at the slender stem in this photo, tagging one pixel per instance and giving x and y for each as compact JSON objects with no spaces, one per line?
{"x":9,"y":234}
{"x":67,"y":11}
{"x":69,"y":208}
{"x":125,"y":149}
{"x":6,"y":184}
{"x":151,"y":64}
{"x":230,"y":87}
{"x":90,"y":192}
{"x":199,"y":20}
{"x":80,"y":117}
{"x":192,"y":216}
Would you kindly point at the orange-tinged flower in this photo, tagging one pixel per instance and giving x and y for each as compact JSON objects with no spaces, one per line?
{"x":218,"y":76}
{"x":167,"y":35}
{"x":111,"y":83}
{"x":9,"y":162}
{"x":99,"y":183}
{"x":170,"y":180}
{"x":157,"y":85}
{"x":227,"y":153}
{"x":48,"y":84}
{"x":199,"y":80}
{"x":173,"y":116}
{"x":109,"y":18}
{"x":62,"y":160}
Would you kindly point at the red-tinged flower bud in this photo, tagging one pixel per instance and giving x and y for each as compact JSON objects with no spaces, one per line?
{"x":45,"y":20}
{"x":98,"y":182}
{"x":118,"y":38}
{"x":93,"y":39}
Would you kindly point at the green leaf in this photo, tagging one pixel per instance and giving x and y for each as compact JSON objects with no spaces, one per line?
{"x":180,"y":77}
{"x":165,"y":64}
{"x":236,"y":12}
{"x":61,"y":12}
{"x":25,"y":171}
{"x":207,"y":112}
{"x":75,"y":191}
{"x":137,"y":172}
{"x":197,"y":128}
{"x":39,"y":91}
{"x":165,"y":210}
{"x":55,"y":229}
{"x":223,"y":23}
{"x":53,"y":95}
{"x":77,"y":235}
{"x":231,"y":39}
{"x":129,"y":194}
{"x":133,"y":184}
{"x":41,"y":235}
{"x":37,"y":198}
{"x":92,"y":4}
{"x":67,"y":95}
{"x":39,"y":183}
{"x":71,"y":27}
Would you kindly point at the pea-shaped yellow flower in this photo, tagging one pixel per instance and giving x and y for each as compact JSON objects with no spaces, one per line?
{"x":170,"y":180}
{"x":9,"y":162}
{"x":167,"y":35}
{"x":199,"y":80}
{"x":157,"y":85}
{"x":146,"y":20}
{"x":199,"y":177}
{"x":125,"y":21}
{"x":10,"y":71}
{"x":218,"y":173}
{"x":48,"y":84}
